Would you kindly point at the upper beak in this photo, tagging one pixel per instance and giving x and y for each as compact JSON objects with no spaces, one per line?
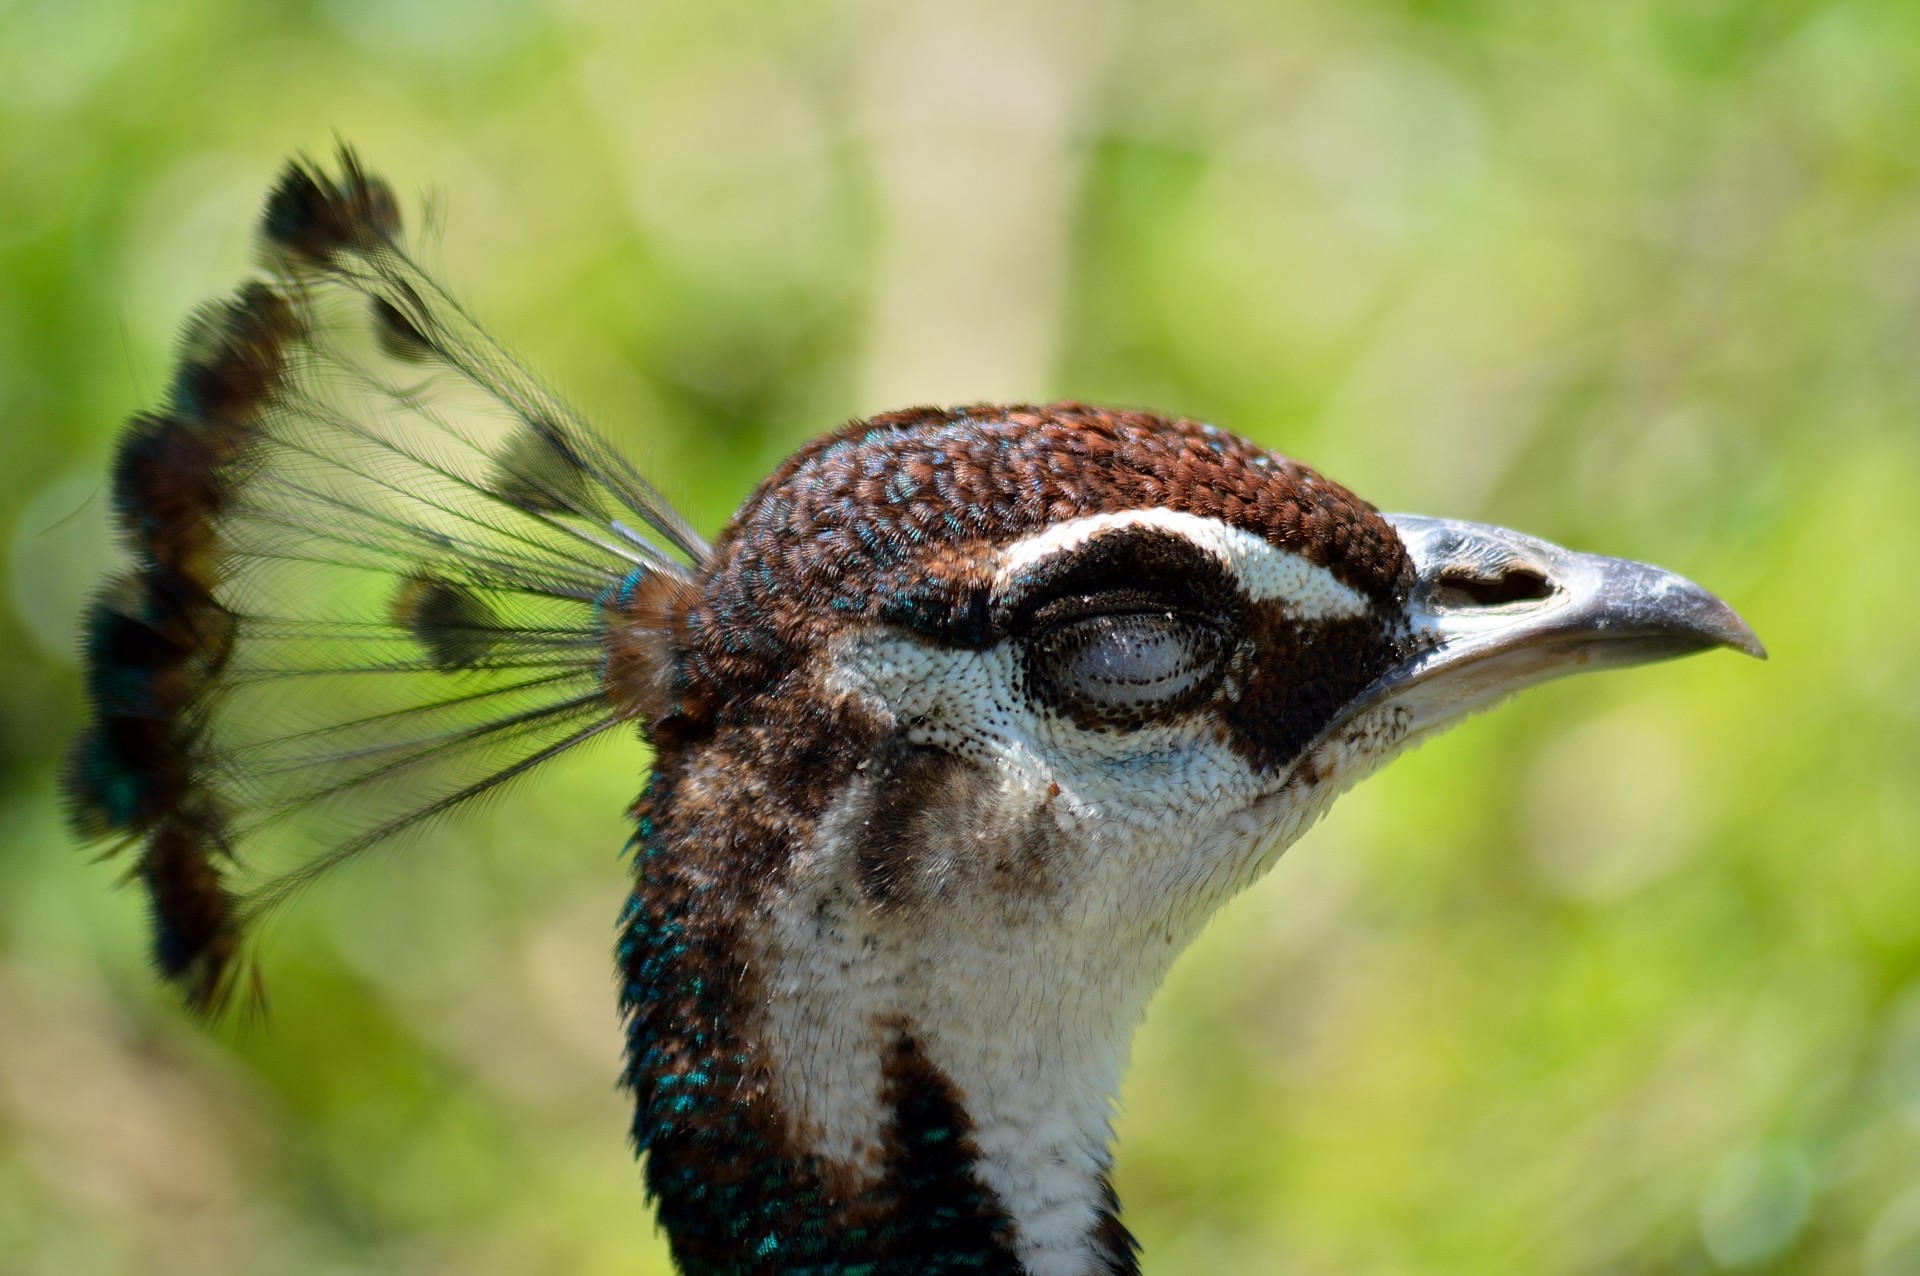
{"x":1494,"y":612}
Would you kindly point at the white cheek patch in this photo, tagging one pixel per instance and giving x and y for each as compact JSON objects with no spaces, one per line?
{"x":1026,"y":1003}
{"x":1265,"y":572}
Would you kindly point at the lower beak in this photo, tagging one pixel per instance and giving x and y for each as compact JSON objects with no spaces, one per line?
{"x":1494,"y":612}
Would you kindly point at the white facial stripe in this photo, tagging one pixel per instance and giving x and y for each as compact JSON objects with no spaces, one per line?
{"x":1266,"y":573}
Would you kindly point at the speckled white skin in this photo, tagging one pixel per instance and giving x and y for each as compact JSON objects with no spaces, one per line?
{"x":1027,"y":998}
{"x":1266,"y":573}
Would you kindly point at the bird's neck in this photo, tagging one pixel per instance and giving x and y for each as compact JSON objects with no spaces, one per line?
{"x":826,"y":1085}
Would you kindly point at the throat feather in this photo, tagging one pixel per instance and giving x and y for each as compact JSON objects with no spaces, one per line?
{"x":738,"y":1193}
{"x":817,"y":1090}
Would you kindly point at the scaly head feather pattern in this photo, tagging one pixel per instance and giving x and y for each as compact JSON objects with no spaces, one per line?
{"x":963,"y":726}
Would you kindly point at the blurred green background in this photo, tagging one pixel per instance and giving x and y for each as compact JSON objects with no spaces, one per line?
{"x":1623,"y":978}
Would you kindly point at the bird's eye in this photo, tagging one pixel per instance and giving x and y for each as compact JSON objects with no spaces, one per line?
{"x":1125,"y":669}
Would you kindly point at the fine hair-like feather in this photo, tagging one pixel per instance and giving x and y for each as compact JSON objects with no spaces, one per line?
{"x":375,"y":567}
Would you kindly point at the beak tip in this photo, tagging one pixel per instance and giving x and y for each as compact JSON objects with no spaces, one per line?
{"x":1731,"y":631}
{"x":1751,"y":645}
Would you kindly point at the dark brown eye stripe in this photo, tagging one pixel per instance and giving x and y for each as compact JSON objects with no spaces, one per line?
{"x":1299,"y":676}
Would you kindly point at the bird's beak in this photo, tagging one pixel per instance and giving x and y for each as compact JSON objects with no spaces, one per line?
{"x":1495,"y":612}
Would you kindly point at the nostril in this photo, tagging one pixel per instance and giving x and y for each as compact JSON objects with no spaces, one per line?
{"x":1491,"y":589}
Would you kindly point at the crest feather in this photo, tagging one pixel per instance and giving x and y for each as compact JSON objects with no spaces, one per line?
{"x":374,"y":565}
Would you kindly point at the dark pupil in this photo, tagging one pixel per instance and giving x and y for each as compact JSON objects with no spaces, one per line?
{"x":1125,"y":669}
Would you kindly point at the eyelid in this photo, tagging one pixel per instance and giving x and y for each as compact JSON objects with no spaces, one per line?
{"x":1125,"y":669}
{"x":1121,"y":600}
